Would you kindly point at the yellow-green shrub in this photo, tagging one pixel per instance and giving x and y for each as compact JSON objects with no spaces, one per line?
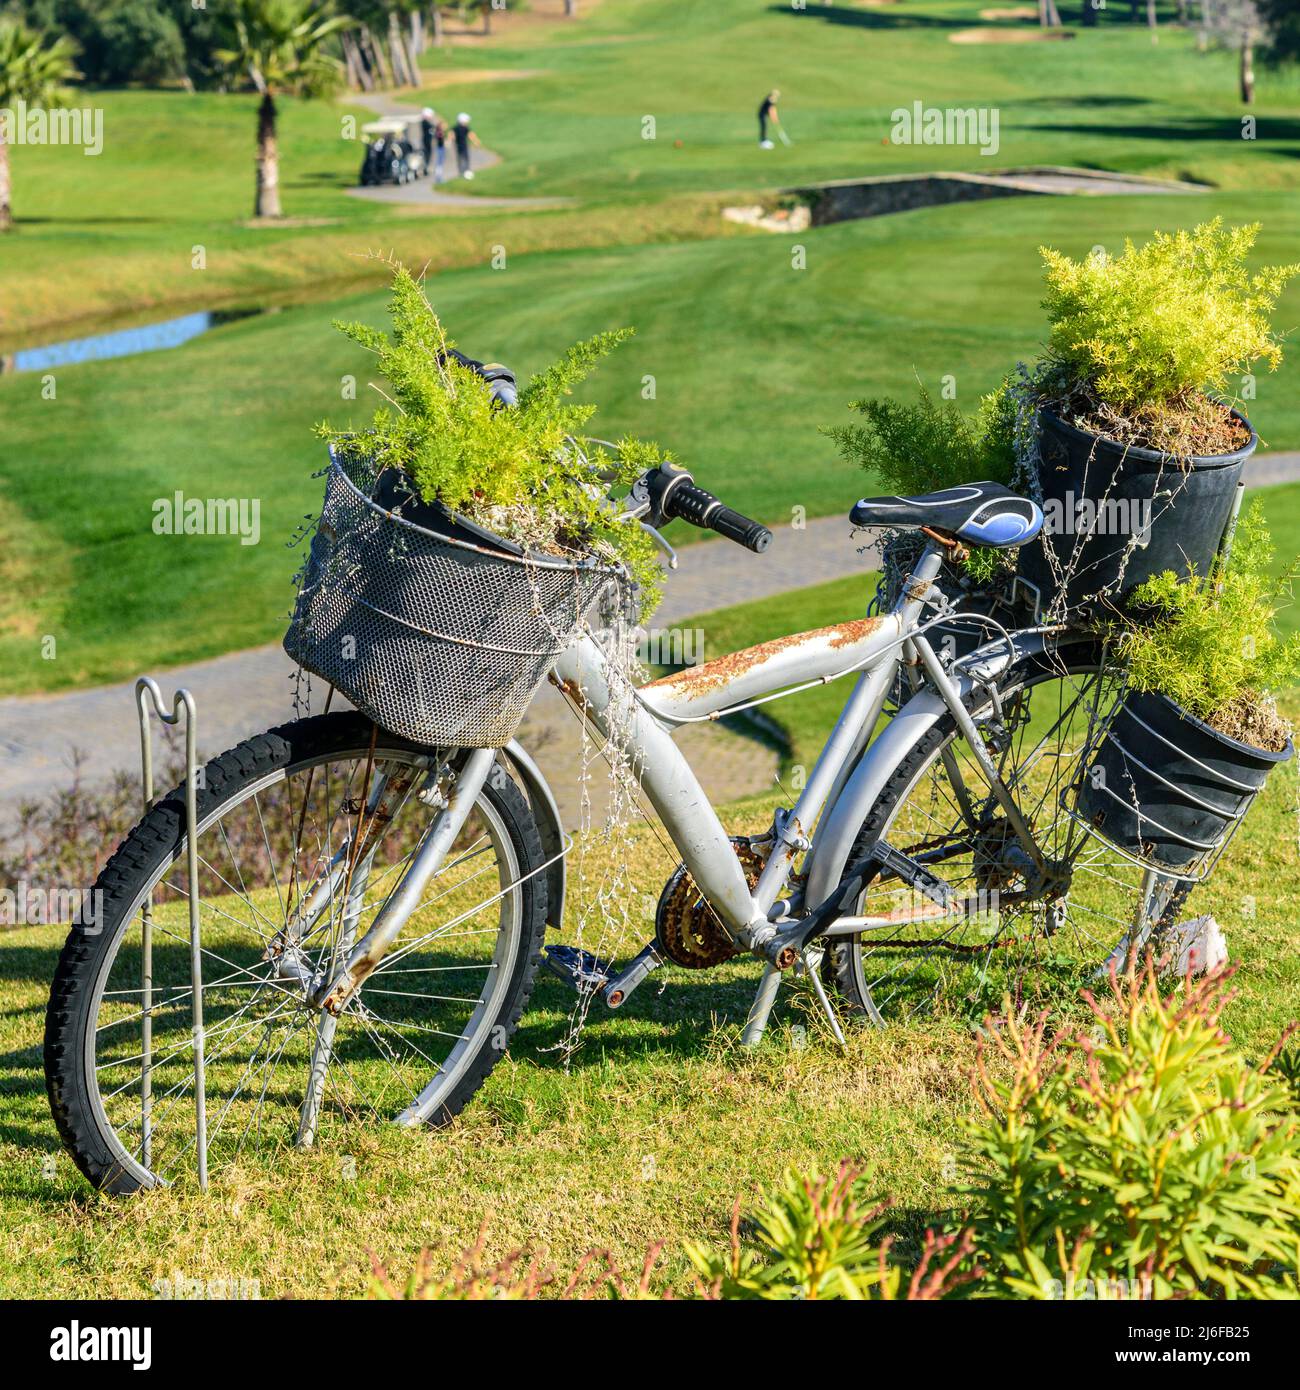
{"x":1210,"y":640}
{"x":1145,"y":1158}
{"x":1177,"y":315}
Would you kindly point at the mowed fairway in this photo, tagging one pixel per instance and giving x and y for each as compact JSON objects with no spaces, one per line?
{"x":1106,"y":97}
{"x":739,"y":358}
{"x":637,"y":110}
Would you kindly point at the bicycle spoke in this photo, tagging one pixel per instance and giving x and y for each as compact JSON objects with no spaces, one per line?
{"x":316,"y":836}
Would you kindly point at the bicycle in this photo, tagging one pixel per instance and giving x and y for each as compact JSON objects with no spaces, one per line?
{"x":374,"y":910}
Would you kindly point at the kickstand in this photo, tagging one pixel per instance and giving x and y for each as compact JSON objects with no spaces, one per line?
{"x":761,"y":1009}
{"x":823,"y":999}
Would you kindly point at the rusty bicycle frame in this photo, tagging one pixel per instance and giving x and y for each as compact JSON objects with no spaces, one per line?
{"x":822,"y":826}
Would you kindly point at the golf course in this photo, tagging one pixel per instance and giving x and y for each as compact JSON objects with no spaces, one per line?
{"x":635,"y":122}
{"x":749,"y":355}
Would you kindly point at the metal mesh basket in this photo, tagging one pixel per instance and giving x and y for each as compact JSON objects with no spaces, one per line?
{"x":438,"y":636}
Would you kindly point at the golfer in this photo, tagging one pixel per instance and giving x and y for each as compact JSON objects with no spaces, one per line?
{"x":767,"y":112}
{"x":465,"y":137}
{"x":440,"y":150}
{"x":426,"y":138}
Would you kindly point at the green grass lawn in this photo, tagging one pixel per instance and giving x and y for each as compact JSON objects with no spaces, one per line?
{"x":748,"y":358}
{"x":658,"y":1123}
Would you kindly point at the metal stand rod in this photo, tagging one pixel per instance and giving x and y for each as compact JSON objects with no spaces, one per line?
{"x":823,"y":999}
{"x":761,"y":1008}
{"x":146,"y":686}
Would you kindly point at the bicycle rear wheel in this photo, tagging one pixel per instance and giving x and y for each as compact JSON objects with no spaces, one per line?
{"x":313,"y":824}
{"x":1031,"y":934}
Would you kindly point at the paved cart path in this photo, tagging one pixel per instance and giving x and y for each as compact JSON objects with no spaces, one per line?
{"x":245,"y":692}
{"x":426,"y":194}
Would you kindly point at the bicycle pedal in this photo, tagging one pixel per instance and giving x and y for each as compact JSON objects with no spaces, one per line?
{"x":582,"y":971}
{"x":913,"y":874}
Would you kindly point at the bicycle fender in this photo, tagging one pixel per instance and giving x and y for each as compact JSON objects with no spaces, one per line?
{"x":542,"y":801}
{"x":839,"y":826}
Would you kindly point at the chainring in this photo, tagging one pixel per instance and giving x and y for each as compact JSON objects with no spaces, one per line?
{"x":687,"y":929}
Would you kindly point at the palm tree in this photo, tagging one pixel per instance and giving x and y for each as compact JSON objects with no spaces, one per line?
{"x":33,"y":70}
{"x":280,"y":47}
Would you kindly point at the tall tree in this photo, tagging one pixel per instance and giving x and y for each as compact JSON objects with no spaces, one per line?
{"x":280,"y":46}
{"x":33,"y":71}
{"x":1238,"y":25}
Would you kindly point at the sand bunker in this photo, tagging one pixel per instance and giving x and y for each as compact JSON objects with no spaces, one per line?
{"x":454,"y":77}
{"x":1008,"y":35}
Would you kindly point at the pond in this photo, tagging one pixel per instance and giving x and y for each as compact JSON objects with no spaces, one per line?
{"x":121,"y":342}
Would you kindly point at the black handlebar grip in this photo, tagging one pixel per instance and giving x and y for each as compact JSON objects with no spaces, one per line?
{"x":703,"y":509}
{"x":751,"y":534}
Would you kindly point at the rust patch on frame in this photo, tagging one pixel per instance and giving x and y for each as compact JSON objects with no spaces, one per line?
{"x":571,"y":690}
{"x":713,"y":675}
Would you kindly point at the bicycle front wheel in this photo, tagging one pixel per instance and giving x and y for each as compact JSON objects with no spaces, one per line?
{"x":304,"y":832}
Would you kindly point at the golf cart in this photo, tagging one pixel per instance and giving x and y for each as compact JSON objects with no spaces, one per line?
{"x":391,"y":156}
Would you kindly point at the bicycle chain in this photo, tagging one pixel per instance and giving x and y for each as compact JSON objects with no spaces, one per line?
{"x":1177,"y":900}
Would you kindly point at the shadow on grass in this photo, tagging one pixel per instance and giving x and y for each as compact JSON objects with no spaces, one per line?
{"x":874,"y":18}
{"x":682,"y":1021}
{"x":80,"y":219}
{"x":34,"y":963}
{"x":1097,"y":101}
{"x":1195,"y":128}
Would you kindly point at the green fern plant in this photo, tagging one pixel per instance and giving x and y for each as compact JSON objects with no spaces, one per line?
{"x":512,"y":470}
{"x":927,"y":445}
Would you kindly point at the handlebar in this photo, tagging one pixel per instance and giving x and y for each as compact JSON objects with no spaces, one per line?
{"x":666,"y":492}
{"x":671,"y":492}
{"x":700,"y":508}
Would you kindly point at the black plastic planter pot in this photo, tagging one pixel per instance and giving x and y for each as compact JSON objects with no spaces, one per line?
{"x":1117,"y":515}
{"x":394,"y":492}
{"x":1166,"y":787}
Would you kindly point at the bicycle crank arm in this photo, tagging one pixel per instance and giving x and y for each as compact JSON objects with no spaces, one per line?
{"x":406,"y":898}
{"x":787,"y":946}
{"x":618,"y":989}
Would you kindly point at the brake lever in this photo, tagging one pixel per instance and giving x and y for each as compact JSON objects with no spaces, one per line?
{"x":660,"y":542}
{"x":651,"y":490}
